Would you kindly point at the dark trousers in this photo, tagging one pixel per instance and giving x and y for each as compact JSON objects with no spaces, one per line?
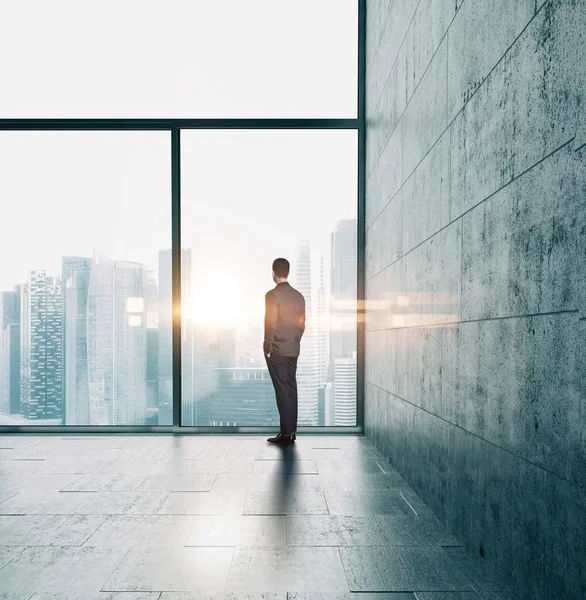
{"x":282,"y":370}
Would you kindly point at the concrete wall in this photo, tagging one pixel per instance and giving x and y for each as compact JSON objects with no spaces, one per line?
{"x":476,"y":285}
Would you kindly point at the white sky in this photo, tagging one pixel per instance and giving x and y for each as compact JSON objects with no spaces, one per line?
{"x":178,"y":58}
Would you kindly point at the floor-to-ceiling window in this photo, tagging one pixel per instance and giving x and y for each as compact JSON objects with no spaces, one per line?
{"x":262,"y":100}
{"x":85,"y":294}
{"x":248,"y":197}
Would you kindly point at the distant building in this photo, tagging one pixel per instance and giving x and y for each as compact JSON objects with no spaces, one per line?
{"x":343,"y":293}
{"x":13,"y":367}
{"x":325,"y":405}
{"x":116,"y":334}
{"x":308,"y":363}
{"x":41,"y":364}
{"x":345,"y":391}
{"x":152,"y":349}
{"x":9,"y":318}
{"x":243,"y":397}
{"x":322,"y":327}
{"x":77,"y":400}
{"x":342,"y":317}
{"x":69,"y":266}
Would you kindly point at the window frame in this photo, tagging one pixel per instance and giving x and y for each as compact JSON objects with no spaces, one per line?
{"x":174,"y":126}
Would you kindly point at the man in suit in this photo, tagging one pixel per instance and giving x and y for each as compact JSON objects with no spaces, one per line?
{"x":284,"y":327}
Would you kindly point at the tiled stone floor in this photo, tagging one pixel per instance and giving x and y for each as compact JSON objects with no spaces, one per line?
{"x":121,"y":517}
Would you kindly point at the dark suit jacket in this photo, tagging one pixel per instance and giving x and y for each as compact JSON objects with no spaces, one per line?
{"x":284,"y":320}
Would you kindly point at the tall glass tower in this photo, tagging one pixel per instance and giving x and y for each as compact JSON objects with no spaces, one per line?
{"x":308,"y":364}
{"x":77,"y":401}
{"x":343,"y":317}
{"x":41,"y":348}
{"x":116,"y":342}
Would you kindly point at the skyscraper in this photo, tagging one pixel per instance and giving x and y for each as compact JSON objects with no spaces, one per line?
{"x":77,"y":401}
{"x":343,"y":299}
{"x":322,"y":326}
{"x":69,"y":266}
{"x":9,"y":315}
{"x":41,"y":386}
{"x":152,"y":349}
{"x":308,"y":364}
{"x":13,"y":365}
{"x":343,"y":292}
{"x":116,"y":335}
{"x":345,"y":391}
{"x":100,"y":341}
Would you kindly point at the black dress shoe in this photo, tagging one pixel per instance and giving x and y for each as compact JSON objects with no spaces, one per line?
{"x":282,"y":439}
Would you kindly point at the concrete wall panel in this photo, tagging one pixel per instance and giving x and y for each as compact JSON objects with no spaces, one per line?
{"x":475,"y":357}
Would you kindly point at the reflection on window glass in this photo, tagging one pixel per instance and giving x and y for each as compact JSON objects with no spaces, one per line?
{"x":179,"y":58}
{"x":249,"y":197}
{"x":85,"y":284}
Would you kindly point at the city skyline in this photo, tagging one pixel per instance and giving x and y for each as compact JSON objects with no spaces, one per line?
{"x":107,"y":325}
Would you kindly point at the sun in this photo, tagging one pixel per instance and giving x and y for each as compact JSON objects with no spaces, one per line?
{"x":214,"y":300}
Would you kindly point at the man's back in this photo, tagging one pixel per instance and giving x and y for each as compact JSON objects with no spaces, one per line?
{"x":284,"y":320}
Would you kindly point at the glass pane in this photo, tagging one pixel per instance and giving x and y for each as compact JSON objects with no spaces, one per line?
{"x":85,"y":280}
{"x":179,"y":58}
{"x":249,"y":197}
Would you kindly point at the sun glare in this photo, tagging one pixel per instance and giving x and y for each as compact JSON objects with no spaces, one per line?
{"x":214,"y":300}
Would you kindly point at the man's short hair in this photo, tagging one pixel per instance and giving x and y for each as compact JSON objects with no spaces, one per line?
{"x":281,"y":267}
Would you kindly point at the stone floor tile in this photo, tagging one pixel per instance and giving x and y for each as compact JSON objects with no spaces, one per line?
{"x":121,"y":503}
{"x":360,"y":465}
{"x":326,"y":453}
{"x":98,"y":596}
{"x":5,"y":494}
{"x":55,"y":570}
{"x":222,"y":596}
{"x":123,"y":531}
{"x":221,"y":502}
{"x":365,"y":482}
{"x":287,"y":569}
{"x":176,"y":569}
{"x":300,"y":482}
{"x":275,"y":503}
{"x":197,"y":482}
{"x":41,"y":503}
{"x":21,"y":465}
{"x":233,"y":530}
{"x":14,"y":596}
{"x":48,"y":530}
{"x":8,"y":553}
{"x":69,"y":464}
{"x":45,"y":481}
{"x":333,"y":530}
{"x":111,"y":482}
{"x":306,"y":466}
{"x":366,"y":503}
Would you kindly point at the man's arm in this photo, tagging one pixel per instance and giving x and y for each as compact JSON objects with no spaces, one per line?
{"x":302,"y":321}
{"x":271,"y":312}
